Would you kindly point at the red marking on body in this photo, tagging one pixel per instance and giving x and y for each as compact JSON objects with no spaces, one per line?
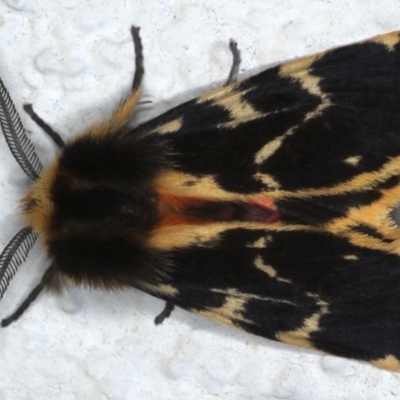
{"x":265,"y":206}
{"x":265,"y":203}
{"x":181,"y":210}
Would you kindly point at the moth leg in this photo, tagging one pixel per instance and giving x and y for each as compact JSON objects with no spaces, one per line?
{"x":233,"y":74}
{"x":169,"y":307}
{"x":54,"y":135}
{"x":139,"y":68}
{"x":46,"y":278}
{"x":125,"y":110}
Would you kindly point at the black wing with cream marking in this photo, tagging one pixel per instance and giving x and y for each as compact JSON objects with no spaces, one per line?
{"x":320,"y":139}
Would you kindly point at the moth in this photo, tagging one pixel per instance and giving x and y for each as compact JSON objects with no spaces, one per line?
{"x":266,"y":204}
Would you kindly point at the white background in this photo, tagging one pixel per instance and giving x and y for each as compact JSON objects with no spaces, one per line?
{"x":74,"y":61}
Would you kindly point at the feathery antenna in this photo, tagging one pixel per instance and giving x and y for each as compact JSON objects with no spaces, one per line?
{"x":14,"y":255}
{"x":18,"y":141}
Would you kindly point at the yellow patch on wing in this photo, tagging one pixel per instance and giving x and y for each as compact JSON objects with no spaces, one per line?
{"x":240,"y":111}
{"x":260,"y":243}
{"x":272,"y":146}
{"x":309,"y":82}
{"x":350,"y":257}
{"x":375,"y":215}
{"x":218,"y":94}
{"x":180,"y":236}
{"x":390,"y":363}
{"x":299,"y":71}
{"x":269,"y":270}
{"x":268,"y":180}
{"x":301,"y":336}
{"x":361,"y":182}
{"x":355,"y":160}
{"x":298,"y":66}
{"x":233,"y":308}
{"x":390,"y":40}
{"x":169,"y":127}
{"x":176,"y":183}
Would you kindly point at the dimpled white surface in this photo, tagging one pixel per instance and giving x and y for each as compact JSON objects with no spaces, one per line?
{"x":74,"y":61}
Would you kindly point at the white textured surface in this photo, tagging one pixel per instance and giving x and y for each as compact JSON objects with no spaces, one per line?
{"x":73,"y":60}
